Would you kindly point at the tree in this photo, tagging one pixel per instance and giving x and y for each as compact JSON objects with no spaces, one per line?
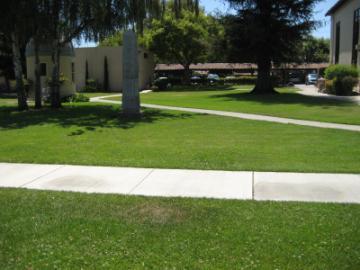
{"x":113,"y":40}
{"x":106,"y":75}
{"x":216,"y":42}
{"x":315,"y":50}
{"x":14,"y":25}
{"x":181,"y":39}
{"x":86,"y":72}
{"x":266,"y":32}
{"x":37,"y":12}
{"x":6,"y":60}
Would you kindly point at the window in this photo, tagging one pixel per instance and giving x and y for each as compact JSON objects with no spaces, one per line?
{"x":146,"y":55}
{"x":72,"y":72}
{"x":354,"y":56}
{"x":337,"y":42}
{"x":42,"y":69}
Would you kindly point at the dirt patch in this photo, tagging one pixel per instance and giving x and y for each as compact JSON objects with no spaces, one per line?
{"x":157,"y":213}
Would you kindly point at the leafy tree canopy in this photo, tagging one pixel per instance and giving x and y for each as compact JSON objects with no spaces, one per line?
{"x":315,"y":50}
{"x":188,"y":39}
{"x":266,"y":32}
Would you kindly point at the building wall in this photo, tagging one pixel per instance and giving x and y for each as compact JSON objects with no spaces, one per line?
{"x":67,"y":87}
{"x":95,"y":58}
{"x":344,"y":15}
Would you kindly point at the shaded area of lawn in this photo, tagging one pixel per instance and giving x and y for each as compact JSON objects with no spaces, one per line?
{"x":85,"y":116}
{"x":287,"y":104}
{"x":96,"y":134}
{"x":47,"y":230}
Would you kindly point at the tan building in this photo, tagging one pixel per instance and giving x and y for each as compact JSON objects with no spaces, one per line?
{"x":67,"y":60}
{"x":95,"y":58}
{"x":345,"y":32}
{"x":73,"y":67}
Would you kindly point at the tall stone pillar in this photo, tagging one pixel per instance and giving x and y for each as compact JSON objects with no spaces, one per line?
{"x":130,"y":95}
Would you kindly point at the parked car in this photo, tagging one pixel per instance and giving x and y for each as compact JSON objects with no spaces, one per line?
{"x":213,"y":78}
{"x":195,"y":79}
{"x":294,"y":77}
{"x":162,"y":83}
{"x":311,"y":78}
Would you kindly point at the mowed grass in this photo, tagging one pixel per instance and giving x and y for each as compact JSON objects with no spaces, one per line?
{"x":287,"y":104}
{"x":52,"y":230}
{"x":96,"y":134}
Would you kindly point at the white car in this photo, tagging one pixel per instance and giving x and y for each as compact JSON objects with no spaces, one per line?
{"x":311,"y":78}
{"x":213,"y":77}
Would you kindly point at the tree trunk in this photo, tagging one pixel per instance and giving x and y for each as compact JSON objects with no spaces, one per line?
{"x":55,"y":80}
{"x":187,"y":74}
{"x":37,"y":83}
{"x":130,"y":95}
{"x":263,"y":83}
{"x":20,"y":89}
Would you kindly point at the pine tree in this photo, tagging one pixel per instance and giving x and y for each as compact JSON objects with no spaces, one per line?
{"x":106,"y":75}
{"x":267,"y":32}
{"x":86,"y":72}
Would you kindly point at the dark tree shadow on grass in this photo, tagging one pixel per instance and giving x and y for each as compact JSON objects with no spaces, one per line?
{"x":204,"y":88}
{"x":284,"y":99}
{"x":83,"y":117}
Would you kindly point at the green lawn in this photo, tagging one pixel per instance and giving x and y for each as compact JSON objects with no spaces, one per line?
{"x":95,"y":134}
{"x":52,"y":230}
{"x":288,"y":104}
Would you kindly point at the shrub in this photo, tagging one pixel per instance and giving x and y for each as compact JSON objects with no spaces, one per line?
{"x":348,"y":84}
{"x":329,"y":86}
{"x":91,"y":86}
{"x":341,"y":79}
{"x":77,"y":97}
{"x":240,"y":80}
{"x":340,"y":71}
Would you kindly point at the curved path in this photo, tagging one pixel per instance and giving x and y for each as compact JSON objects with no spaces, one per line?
{"x":311,"y":90}
{"x":248,"y":116}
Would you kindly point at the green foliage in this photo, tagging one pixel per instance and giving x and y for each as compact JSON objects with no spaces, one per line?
{"x":341,"y":79}
{"x":92,"y":85}
{"x":266,"y":32}
{"x":340,"y":71}
{"x":315,"y":50}
{"x":240,"y":80}
{"x":77,"y":97}
{"x":113,"y":40}
{"x":181,"y":40}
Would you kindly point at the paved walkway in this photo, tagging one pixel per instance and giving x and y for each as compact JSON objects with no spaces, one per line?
{"x":248,"y":116}
{"x":341,"y":188}
{"x":311,"y":90}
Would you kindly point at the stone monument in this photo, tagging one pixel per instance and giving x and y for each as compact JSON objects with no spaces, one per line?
{"x":130,"y":94}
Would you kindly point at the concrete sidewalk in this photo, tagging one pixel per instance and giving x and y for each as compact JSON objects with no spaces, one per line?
{"x":247,"y":116}
{"x":342,"y":188}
